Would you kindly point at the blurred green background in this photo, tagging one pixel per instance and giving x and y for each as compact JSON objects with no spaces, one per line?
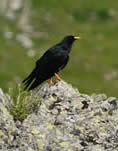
{"x":37,"y":25}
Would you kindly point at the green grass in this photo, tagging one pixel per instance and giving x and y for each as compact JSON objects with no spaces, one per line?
{"x":21,"y":103}
{"x":93,"y":65}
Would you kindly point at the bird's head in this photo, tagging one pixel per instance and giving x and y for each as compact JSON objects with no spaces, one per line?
{"x":70,"y":39}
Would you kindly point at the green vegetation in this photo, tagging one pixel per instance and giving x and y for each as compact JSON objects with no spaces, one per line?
{"x":93,"y":65}
{"x":21,"y":103}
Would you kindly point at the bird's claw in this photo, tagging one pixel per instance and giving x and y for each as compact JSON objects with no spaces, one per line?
{"x":56,"y":81}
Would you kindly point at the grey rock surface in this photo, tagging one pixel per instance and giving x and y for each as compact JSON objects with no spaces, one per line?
{"x":64,"y":120}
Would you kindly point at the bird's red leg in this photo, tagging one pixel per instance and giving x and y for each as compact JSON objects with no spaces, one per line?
{"x":50,"y":82}
{"x":57,"y":76}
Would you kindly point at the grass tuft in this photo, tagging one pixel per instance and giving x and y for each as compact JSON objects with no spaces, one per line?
{"x":21,"y":103}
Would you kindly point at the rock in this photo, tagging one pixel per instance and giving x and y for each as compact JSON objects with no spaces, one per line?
{"x":64,"y":120}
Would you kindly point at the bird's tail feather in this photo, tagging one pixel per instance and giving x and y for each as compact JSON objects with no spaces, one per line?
{"x":35,"y":83}
{"x":29,"y":79}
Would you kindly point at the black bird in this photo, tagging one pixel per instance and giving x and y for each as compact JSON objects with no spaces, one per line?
{"x":53,"y":60}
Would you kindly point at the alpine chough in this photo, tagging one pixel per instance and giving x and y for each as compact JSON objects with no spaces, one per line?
{"x":53,"y":60}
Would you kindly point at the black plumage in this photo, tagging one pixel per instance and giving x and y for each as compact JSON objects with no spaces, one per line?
{"x":53,"y":60}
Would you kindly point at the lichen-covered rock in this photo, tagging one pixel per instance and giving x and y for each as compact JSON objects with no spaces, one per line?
{"x":64,"y":120}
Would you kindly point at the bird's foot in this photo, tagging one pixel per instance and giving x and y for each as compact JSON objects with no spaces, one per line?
{"x":50,"y":82}
{"x":57,"y":76}
{"x":56,"y":81}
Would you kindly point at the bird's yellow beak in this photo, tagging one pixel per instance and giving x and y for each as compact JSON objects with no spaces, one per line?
{"x":77,"y":37}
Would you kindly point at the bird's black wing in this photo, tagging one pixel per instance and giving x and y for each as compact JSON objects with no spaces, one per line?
{"x":52,"y":61}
